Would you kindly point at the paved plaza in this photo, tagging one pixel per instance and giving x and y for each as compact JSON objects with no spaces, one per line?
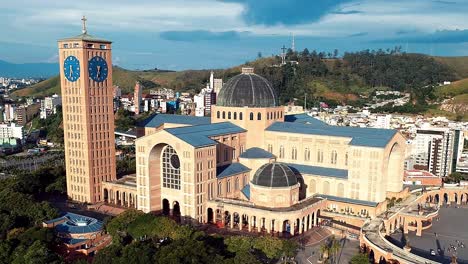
{"x":450,"y":229}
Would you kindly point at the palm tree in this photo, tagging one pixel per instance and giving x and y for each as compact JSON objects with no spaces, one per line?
{"x":324,"y":251}
{"x":335,"y":247}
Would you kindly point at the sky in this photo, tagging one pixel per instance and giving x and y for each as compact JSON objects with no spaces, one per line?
{"x":207,"y":34}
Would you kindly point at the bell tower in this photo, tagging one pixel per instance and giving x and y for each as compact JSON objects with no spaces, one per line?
{"x":88,"y":117}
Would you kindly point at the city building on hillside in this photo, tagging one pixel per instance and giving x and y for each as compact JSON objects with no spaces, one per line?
{"x":25,"y":113}
{"x":421,"y":177}
{"x":251,"y":166}
{"x":167,"y":93}
{"x":432,"y":150}
{"x":11,"y":131}
{"x":137,"y":100}
{"x":49,"y":105}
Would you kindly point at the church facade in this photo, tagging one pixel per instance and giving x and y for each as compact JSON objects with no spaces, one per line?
{"x":252,"y":167}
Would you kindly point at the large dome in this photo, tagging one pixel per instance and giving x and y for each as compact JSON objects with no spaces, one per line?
{"x":247,"y":89}
{"x":274,"y":175}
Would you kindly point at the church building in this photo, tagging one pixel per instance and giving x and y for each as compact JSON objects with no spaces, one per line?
{"x":252,"y":167}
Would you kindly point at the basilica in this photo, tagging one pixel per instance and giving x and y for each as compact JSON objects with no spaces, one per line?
{"x":250,"y":166}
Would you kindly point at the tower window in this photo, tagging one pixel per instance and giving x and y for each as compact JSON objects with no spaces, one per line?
{"x":170,"y":168}
{"x":240,"y":116}
{"x":90,"y":46}
{"x":218,"y":115}
{"x":235,"y":115}
{"x":224,"y":115}
{"x":76,"y":45}
{"x":65,"y":45}
{"x":251,"y":116}
{"x":281,"y":152}
{"x":102,"y":46}
{"x":259,"y":116}
{"x":229,"y":115}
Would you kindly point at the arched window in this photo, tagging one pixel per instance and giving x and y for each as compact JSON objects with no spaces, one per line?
{"x":346,"y":159}
{"x":170,"y":168}
{"x":229,"y":115}
{"x":244,"y":181}
{"x":251,"y":116}
{"x":294,"y":153}
{"x":235,"y":115}
{"x":281,"y":152}
{"x":270,"y":148}
{"x":236,"y":185}
{"x":224,"y":115}
{"x":218,"y":114}
{"x":220,"y":190}
{"x":226,"y":154}
{"x":340,"y":190}
{"x":281,"y":114}
{"x":326,"y":188}
{"x":268,"y":116}
{"x":334,"y":157}
{"x":228,"y":186}
{"x":312,"y":186}
{"x":307,"y":154}
{"x":275,"y":115}
{"x":259,"y":116}
{"x":319,"y":156}
{"x":240,"y":116}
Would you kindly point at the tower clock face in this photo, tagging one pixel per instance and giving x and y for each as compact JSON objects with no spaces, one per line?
{"x":98,"y":69}
{"x":71,"y":68}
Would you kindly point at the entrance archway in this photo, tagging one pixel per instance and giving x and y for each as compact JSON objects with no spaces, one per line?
{"x":176,"y":211}
{"x":106,"y":196}
{"x":210,"y":215}
{"x":165,"y":207}
{"x":446,"y":199}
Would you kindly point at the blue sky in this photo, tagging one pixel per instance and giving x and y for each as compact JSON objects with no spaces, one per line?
{"x":205,"y":34}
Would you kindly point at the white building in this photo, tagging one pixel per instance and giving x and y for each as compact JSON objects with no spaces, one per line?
{"x":383,"y":121}
{"x":432,"y":150}
{"x":49,"y":105}
{"x":11,"y":131}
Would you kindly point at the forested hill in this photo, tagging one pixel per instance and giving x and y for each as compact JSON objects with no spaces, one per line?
{"x":322,"y":76}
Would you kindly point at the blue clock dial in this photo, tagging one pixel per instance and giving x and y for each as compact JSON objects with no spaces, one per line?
{"x":98,"y":69}
{"x":71,"y":68}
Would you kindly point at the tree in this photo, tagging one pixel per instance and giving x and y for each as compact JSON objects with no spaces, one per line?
{"x":360,"y":258}
{"x":334,"y":248}
{"x":335,"y":53}
{"x":259,"y":55}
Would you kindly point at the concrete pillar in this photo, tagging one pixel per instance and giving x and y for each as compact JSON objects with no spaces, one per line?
{"x":310,"y":223}
{"x":231,"y":222}
{"x":292,"y":226}
{"x":315,"y":218}
{"x":223,"y":221}
{"x":458,"y":199}
{"x":300,"y":225}
{"x":268,"y":225}
{"x":240,"y":221}
{"x":419,"y":228}
{"x":405,"y":226}
{"x":250,"y":222}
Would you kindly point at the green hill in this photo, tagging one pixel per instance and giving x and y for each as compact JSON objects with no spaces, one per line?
{"x":458,"y":64}
{"x":41,"y":89}
{"x":123,"y":78}
{"x":456,"y":88}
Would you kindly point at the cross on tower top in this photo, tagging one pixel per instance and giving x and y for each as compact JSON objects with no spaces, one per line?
{"x":84,"y":25}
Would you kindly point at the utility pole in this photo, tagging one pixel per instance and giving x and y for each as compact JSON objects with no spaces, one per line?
{"x":305,"y":102}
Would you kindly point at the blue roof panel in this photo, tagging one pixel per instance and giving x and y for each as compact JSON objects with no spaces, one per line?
{"x":198,"y":136}
{"x":230,"y":170}
{"x":369,"y":137}
{"x":304,"y":119}
{"x":321,"y":171}
{"x":246,"y":191}
{"x":347,"y":200}
{"x":76,"y":224}
{"x":256,"y":153}
{"x":159,"y":119}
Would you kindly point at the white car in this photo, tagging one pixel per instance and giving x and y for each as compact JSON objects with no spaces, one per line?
{"x":433,"y":252}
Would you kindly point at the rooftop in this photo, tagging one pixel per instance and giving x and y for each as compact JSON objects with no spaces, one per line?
{"x":231,"y":169}
{"x":369,"y":137}
{"x":322,"y":171}
{"x":246,"y":191}
{"x":159,"y":119}
{"x":347,"y":200}
{"x":86,"y":37}
{"x":76,"y":224}
{"x":199,"y":136}
{"x":304,"y":119}
{"x":256,"y":153}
